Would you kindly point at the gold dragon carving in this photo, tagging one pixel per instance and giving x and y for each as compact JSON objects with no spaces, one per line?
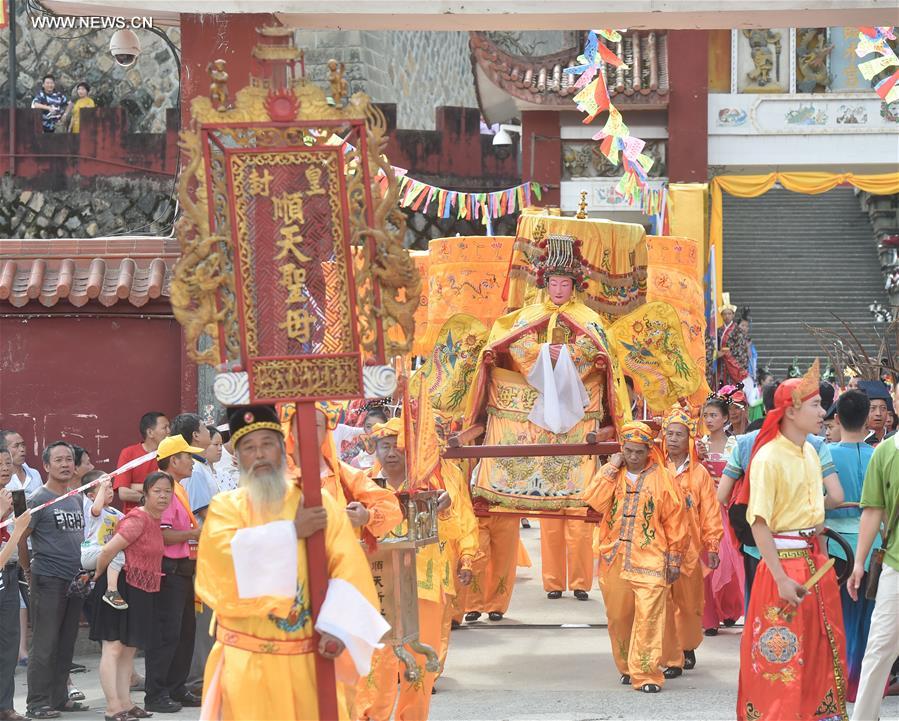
{"x":203,"y":289}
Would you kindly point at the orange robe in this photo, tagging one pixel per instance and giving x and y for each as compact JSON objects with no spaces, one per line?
{"x":683,"y":621}
{"x":642,"y":534}
{"x":381,"y":503}
{"x":378,"y":693}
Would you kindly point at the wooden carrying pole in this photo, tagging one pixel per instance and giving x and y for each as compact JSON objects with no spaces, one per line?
{"x":307,"y":457}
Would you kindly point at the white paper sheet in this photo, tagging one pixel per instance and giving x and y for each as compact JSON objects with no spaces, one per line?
{"x":265,"y":560}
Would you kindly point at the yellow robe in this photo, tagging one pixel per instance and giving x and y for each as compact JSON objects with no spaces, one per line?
{"x":642,"y":533}
{"x":264,"y":686}
{"x":460,"y":552}
{"x":683,"y":621}
{"x":378,"y":693}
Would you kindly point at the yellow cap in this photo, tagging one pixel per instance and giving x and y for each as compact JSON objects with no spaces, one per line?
{"x":175,"y":444}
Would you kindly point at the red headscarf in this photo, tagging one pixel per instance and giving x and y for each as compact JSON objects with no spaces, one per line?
{"x":791,"y":393}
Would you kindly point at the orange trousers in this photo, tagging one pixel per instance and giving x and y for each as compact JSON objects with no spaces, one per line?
{"x":566,"y":544}
{"x":385,"y":686}
{"x":683,"y":619}
{"x":494,"y":566}
{"x":636,"y":613}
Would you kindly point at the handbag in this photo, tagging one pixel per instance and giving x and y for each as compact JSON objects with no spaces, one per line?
{"x":876,"y":566}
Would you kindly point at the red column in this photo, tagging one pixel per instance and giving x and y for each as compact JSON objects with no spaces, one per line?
{"x":205,"y":38}
{"x":541,"y":152}
{"x":688,"y":73}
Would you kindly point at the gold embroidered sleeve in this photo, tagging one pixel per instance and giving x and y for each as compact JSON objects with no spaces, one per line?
{"x":524,"y":352}
{"x":584,"y":354}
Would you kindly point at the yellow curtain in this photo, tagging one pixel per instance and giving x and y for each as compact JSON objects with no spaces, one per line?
{"x":751,"y":186}
{"x":688,"y":216}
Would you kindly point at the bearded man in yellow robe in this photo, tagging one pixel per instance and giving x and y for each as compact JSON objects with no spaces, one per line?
{"x":253,"y":571}
{"x":545,"y":376}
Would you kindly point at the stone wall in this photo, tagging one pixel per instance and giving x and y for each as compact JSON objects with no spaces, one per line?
{"x":145,"y":89}
{"x":417,"y":70}
{"x":105,"y":206}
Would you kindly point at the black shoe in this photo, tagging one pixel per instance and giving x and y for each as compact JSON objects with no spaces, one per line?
{"x":581,"y":595}
{"x":495,"y":616}
{"x":554,"y":595}
{"x":165,"y":705}
{"x":729,"y":622}
{"x":711,"y":632}
{"x":689,"y":660}
{"x":472,"y":615}
{"x":673,"y":672}
{"x":454,"y":624}
{"x":188,"y":700}
{"x":625,"y":680}
{"x":650,"y":688}
{"x":42,"y":712}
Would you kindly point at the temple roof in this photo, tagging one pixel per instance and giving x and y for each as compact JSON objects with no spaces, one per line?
{"x":75,"y":271}
{"x":507,"y":84}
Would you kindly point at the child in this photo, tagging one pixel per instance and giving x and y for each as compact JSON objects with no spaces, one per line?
{"x":83,"y":91}
{"x":100,"y":520}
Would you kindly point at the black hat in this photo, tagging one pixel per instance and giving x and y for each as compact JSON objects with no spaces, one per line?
{"x":877,"y":391}
{"x":246,"y":419}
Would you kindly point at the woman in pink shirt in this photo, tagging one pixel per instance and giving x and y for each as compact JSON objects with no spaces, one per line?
{"x":123,"y":631}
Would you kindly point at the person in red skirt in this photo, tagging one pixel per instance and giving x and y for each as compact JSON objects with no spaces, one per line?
{"x":793,"y":650}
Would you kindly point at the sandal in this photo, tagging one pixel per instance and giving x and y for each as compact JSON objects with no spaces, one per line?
{"x":114,"y":599}
{"x":73,"y":707}
{"x":120,"y":716}
{"x":138,"y":712}
{"x":75,"y":694}
{"x":43,"y":712}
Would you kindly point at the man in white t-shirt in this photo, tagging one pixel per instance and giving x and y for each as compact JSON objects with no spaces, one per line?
{"x":23,"y":476}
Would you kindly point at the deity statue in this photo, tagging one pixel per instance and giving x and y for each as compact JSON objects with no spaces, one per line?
{"x":764,"y":59}
{"x":340,"y":88}
{"x":218,"y":88}
{"x":546,"y":375}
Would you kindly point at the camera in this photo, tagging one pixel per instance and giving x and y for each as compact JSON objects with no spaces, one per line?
{"x":125,"y":47}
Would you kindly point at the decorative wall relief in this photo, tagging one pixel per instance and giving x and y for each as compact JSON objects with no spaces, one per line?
{"x":812,"y":60}
{"x":763,"y":63}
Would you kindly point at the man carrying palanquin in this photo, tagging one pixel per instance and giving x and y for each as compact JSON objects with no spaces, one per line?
{"x":253,"y":571}
{"x":437,"y":569}
{"x":683,"y":621}
{"x":545,"y":375}
{"x":643,"y":537}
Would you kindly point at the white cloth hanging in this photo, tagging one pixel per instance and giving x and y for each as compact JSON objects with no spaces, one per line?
{"x":562,"y":397}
